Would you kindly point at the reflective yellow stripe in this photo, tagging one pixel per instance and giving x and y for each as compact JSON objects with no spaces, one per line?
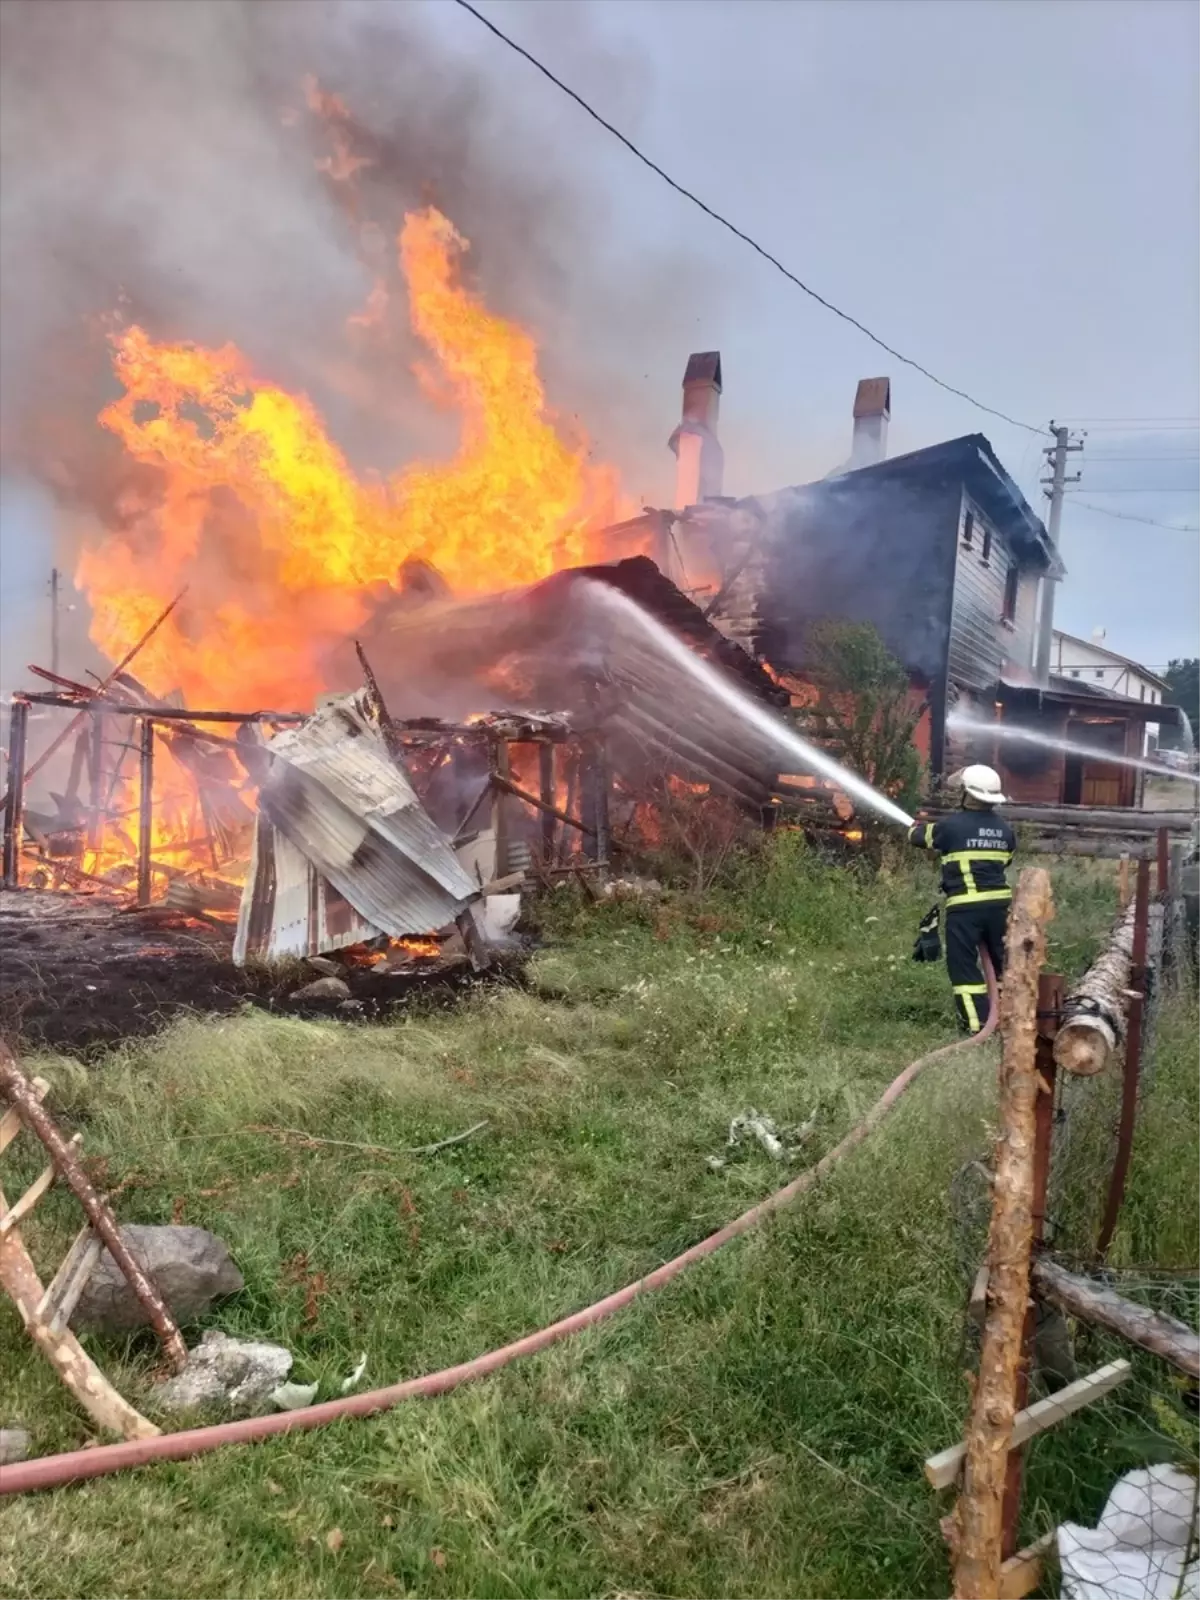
{"x":929,"y":836}
{"x":976,"y":897}
{"x":961,"y":856}
{"x":966,"y":992}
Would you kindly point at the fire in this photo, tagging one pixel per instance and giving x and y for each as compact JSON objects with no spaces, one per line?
{"x":276,"y":539}
{"x":395,"y":951}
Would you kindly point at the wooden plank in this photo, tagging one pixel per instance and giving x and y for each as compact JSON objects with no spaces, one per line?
{"x":19,"y":1280}
{"x":942,"y":1469}
{"x":10,"y":1122}
{"x":10,"y":1127}
{"x":28,"y":1200}
{"x":1022,"y":1574}
{"x":69,"y":1282}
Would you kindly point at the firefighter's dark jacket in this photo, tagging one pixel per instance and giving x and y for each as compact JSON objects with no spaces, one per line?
{"x":976,"y":848}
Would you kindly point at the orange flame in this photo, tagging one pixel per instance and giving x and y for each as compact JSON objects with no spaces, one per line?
{"x":278,"y":541}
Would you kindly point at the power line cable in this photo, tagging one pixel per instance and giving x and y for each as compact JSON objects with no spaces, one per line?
{"x":1128,"y":516}
{"x":716,"y":216}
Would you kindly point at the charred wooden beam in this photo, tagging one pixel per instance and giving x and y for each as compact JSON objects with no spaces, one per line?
{"x":518,"y":793}
{"x":61,"y":739}
{"x":145,"y":811}
{"x":14,"y":800}
{"x":546,"y":785}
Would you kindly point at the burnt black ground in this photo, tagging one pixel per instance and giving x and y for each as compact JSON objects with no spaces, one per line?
{"x":77,"y":974}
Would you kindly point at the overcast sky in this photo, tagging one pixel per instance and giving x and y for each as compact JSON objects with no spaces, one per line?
{"x":1006,"y":190}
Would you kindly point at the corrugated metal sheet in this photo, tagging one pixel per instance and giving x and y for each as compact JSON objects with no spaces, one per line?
{"x":288,"y":909}
{"x":351,"y":816}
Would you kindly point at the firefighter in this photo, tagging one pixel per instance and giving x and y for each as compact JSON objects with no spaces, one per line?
{"x":976,"y":845}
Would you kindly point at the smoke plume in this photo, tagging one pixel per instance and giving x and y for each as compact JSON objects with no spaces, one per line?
{"x":186,"y":166}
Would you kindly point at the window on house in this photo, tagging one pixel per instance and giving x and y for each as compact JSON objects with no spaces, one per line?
{"x":1074,"y":672}
{"x":968,"y":529}
{"x":1100,"y":672}
{"x":1012,"y":579}
{"x":987,"y":544}
{"x":1143,"y":690}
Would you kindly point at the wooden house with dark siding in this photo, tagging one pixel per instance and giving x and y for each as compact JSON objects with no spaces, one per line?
{"x":938,"y":549}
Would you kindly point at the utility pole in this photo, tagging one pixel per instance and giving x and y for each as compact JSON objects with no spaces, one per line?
{"x":1056,"y":454}
{"x":54,"y":652}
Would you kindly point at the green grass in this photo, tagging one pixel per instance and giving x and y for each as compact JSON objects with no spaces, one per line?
{"x":757,"y":1428}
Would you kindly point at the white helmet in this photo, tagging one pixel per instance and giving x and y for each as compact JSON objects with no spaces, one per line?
{"x":983,"y":783}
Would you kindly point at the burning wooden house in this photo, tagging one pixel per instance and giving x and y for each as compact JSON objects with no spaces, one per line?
{"x":367,"y":824}
{"x":937,"y":549}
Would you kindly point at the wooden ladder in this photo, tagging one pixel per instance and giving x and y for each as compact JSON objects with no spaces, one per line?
{"x":46,"y":1310}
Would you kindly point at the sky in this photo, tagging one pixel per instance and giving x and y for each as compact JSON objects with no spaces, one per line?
{"x":1005,"y":191}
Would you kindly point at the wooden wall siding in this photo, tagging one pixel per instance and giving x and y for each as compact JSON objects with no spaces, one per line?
{"x":879,"y":552}
{"x":1032,"y":774}
{"x":1023,"y":635}
{"x":980,"y":640}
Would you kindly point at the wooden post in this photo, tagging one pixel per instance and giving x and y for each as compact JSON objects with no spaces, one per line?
{"x":1164,"y":863}
{"x":594,"y":799}
{"x":1133,"y":1060}
{"x":14,"y":800}
{"x":501,"y":768}
{"x":1049,"y":1002}
{"x":145,"y":811}
{"x":1123,"y":880}
{"x":573,"y":764}
{"x":1094,"y":1302}
{"x":546,"y":784}
{"x":979,"y":1517}
{"x":96,"y":805}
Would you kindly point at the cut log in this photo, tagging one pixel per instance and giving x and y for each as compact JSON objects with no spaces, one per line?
{"x":1103,"y":1307}
{"x":988,"y":1438}
{"x":1093,"y":1022}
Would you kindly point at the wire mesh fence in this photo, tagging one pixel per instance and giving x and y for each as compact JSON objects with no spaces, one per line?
{"x":1108,"y":1495}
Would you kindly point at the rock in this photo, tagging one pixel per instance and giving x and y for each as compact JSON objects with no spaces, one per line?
{"x":190,"y":1267}
{"x":326,"y":967}
{"x":14,"y":1446}
{"x":323,"y":989}
{"x":237,"y":1373}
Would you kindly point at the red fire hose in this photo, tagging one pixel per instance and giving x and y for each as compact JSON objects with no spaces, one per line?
{"x":49,"y":1472}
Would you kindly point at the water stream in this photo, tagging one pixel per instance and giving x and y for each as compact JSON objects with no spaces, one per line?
{"x":960,"y":722}
{"x":718,"y":687}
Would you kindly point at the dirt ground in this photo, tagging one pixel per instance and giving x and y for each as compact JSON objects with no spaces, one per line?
{"x":77,"y":973}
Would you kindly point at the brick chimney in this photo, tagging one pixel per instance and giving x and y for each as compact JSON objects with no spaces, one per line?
{"x":700,"y":461}
{"x":872,"y":410}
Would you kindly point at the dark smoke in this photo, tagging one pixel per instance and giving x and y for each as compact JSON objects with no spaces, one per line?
{"x":159,"y":162}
